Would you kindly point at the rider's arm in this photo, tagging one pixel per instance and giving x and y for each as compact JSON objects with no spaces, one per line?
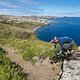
{"x":51,"y":41}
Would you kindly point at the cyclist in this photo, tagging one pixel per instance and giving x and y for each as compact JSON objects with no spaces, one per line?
{"x":65,"y":43}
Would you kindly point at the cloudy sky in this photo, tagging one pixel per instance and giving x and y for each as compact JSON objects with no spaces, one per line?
{"x":40,"y":7}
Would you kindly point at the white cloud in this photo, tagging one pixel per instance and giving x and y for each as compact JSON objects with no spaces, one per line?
{"x":16,"y":12}
{"x":9,"y":8}
{"x":9,"y":5}
{"x":11,"y":12}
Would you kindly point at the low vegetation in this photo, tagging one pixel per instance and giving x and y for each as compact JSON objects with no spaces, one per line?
{"x":24,"y":41}
{"x":9,"y":70}
{"x":12,"y":31}
{"x":29,"y":47}
{"x":25,"y":25}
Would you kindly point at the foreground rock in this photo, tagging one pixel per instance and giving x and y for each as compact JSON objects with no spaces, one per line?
{"x":70,"y":70}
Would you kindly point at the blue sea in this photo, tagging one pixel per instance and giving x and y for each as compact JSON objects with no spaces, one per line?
{"x":61,"y":27}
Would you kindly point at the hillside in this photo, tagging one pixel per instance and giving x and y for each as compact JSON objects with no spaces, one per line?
{"x":23,"y":56}
{"x":20,"y":37}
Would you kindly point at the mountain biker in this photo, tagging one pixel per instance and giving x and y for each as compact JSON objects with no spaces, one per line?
{"x":65,"y":43}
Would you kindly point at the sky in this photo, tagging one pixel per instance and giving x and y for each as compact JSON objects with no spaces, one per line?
{"x":40,"y":7}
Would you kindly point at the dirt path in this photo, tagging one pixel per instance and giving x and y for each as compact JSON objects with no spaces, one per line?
{"x":36,"y":73}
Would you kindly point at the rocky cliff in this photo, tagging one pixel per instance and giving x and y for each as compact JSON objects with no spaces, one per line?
{"x":71,"y":69}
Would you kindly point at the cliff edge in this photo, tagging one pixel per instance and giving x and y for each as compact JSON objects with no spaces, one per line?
{"x":71,"y":69}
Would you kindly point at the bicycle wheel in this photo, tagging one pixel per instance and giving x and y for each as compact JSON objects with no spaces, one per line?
{"x":54,"y":59}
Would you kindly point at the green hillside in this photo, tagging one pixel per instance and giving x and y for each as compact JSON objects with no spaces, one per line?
{"x":25,"y":41}
{"x":20,"y":37}
{"x":9,"y":70}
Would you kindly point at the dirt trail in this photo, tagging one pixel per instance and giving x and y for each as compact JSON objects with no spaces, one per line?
{"x":36,"y":73}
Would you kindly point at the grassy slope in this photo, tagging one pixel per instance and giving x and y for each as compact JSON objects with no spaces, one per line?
{"x":9,"y":70}
{"x":25,"y":25}
{"x":24,"y":40}
{"x":27,"y":44}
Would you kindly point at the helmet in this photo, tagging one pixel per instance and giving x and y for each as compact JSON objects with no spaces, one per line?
{"x":55,"y":40}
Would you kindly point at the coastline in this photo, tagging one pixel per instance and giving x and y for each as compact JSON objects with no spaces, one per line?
{"x":36,"y":28}
{"x":40,"y":27}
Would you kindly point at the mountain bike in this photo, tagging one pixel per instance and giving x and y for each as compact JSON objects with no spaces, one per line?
{"x":65,"y":54}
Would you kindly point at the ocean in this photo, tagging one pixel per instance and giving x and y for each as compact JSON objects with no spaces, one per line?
{"x":61,"y":27}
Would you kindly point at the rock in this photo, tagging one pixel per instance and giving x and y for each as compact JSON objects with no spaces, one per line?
{"x":46,"y":62}
{"x":71,"y":70}
{"x":37,"y":58}
{"x":79,"y":48}
{"x":38,"y":64}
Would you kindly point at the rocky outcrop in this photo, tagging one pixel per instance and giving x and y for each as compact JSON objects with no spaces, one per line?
{"x":71,"y":69}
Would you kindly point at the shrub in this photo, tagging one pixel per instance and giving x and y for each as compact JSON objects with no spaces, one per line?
{"x":28,"y":55}
{"x":22,"y":35}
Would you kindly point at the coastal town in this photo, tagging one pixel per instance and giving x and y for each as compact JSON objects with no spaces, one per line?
{"x":20,"y":19}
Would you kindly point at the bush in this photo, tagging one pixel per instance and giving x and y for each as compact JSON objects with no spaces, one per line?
{"x":2,"y":51}
{"x":75,"y":47}
{"x":22,"y":35}
{"x":28,"y":55}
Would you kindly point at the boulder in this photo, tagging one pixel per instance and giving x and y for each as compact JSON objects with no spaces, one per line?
{"x":37,"y":58}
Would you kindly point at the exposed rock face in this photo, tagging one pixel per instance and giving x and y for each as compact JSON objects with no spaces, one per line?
{"x":70,"y":70}
{"x":40,"y":62}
